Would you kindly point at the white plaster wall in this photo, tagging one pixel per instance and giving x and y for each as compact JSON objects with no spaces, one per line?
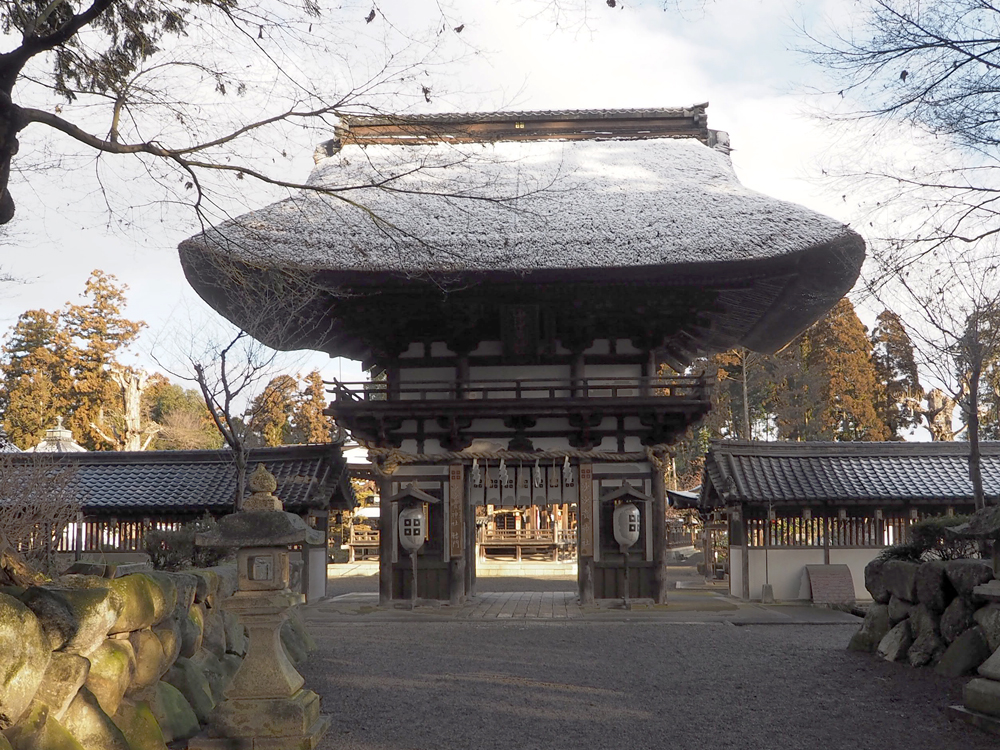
{"x":736,"y":571}
{"x":856,"y":558}
{"x":519,"y":372}
{"x":425,"y":374}
{"x":785,"y":569}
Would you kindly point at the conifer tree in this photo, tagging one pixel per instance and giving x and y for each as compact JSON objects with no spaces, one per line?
{"x":36,"y":377}
{"x":311,"y":425}
{"x":99,"y":332}
{"x":898,"y":392}
{"x":269,"y":416}
{"x":839,"y":352}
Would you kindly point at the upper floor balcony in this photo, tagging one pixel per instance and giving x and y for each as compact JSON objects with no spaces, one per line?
{"x":585,"y":411}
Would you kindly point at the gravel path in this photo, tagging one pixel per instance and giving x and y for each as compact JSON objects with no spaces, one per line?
{"x":625,"y":684}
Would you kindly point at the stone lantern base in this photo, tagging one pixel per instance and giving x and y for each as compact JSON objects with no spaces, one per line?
{"x":293,"y":723}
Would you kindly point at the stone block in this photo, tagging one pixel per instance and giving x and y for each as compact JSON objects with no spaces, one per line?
{"x":139,"y":726}
{"x":214,"y":636}
{"x":900,"y":578}
{"x":186,"y":585}
{"x":231,"y":664}
{"x":873,"y":629}
{"x":874,"y":581}
{"x":957,"y":618}
{"x":173,"y":713}
{"x":898,"y":609}
{"x":934,"y":590}
{"x":965,"y":654}
{"x":59,"y":622}
{"x":169,"y":588}
{"x":169,"y":633}
{"x":982,"y":695}
{"x":927,"y":646}
{"x":112,"y":667}
{"x":38,"y":729}
{"x":4,"y":744}
{"x":192,"y":628}
{"x":988,"y":618}
{"x":965,"y":575}
{"x":236,"y":634}
{"x":211,"y":666}
{"x":990,"y":668}
{"x":896,"y":643}
{"x":91,"y":725}
{"x":149,"y":662}
{"x":228,"y":579}
{"x":193,"y":685}
{"x":144,"y":602}
{"x":24,"y":657}
{"x":208,"y":586}
{"x":65,"y":675}
{"x":82,"y":616}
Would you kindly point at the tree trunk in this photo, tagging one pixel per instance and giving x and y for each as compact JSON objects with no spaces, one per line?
{"x":242,"y":456}
{"x":746,"y":399}
{"x":975,"y":469}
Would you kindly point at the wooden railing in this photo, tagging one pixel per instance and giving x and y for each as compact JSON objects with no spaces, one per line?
{"x":527,"y":537}
{"x":696,"y":387}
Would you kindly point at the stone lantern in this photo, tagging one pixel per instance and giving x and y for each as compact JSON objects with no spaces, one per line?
{"x":265,"y":706}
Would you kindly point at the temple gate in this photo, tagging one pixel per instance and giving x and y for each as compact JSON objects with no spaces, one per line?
{"x":527,"y":290}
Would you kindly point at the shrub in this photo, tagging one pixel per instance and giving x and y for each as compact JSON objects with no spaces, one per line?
{"x":929,"y":540}
{"x":176,"y":550}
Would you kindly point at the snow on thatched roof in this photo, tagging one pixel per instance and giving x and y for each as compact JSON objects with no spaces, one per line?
{"x":523,"y":206}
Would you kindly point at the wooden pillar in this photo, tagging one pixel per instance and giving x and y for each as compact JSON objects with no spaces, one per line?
{"x":585,"y":534}
{"x":456,"y":533}
{"x":744,"y":524}
{"x":470,"y":548}
{"x":826,"y":535}
{"x":385,"y":541}
{"x":659,"y":531}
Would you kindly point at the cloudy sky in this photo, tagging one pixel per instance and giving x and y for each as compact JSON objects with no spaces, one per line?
{"x":738,"y":55}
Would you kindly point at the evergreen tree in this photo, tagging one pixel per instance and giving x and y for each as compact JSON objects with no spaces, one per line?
{"x":183,"y":419}
{"x":269,"y":416}
{"x":898,"y":392}
{"x":311,"y":425}
{"x":99,"y":332}
{"x":36,"y":377}
{"x":838,"y":351}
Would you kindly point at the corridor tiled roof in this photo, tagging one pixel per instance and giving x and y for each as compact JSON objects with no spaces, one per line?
{"x":168,"y":482}
{"x":844,"y":473}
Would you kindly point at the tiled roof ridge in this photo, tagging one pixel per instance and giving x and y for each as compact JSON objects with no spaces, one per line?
{"x":194,"y":456}
{"x":793,"y":448}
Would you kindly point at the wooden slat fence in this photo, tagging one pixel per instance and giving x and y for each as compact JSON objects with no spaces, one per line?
{"x":112,"y":535}
{"x":859,"y":531}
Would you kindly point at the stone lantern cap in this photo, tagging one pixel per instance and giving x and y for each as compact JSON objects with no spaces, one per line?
{"x":260,"y":528}
{"x":262,"y":523}
{"x":626,"y":492}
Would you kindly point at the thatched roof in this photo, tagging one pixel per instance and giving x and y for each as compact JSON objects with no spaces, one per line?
{"x":427,"y":199}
